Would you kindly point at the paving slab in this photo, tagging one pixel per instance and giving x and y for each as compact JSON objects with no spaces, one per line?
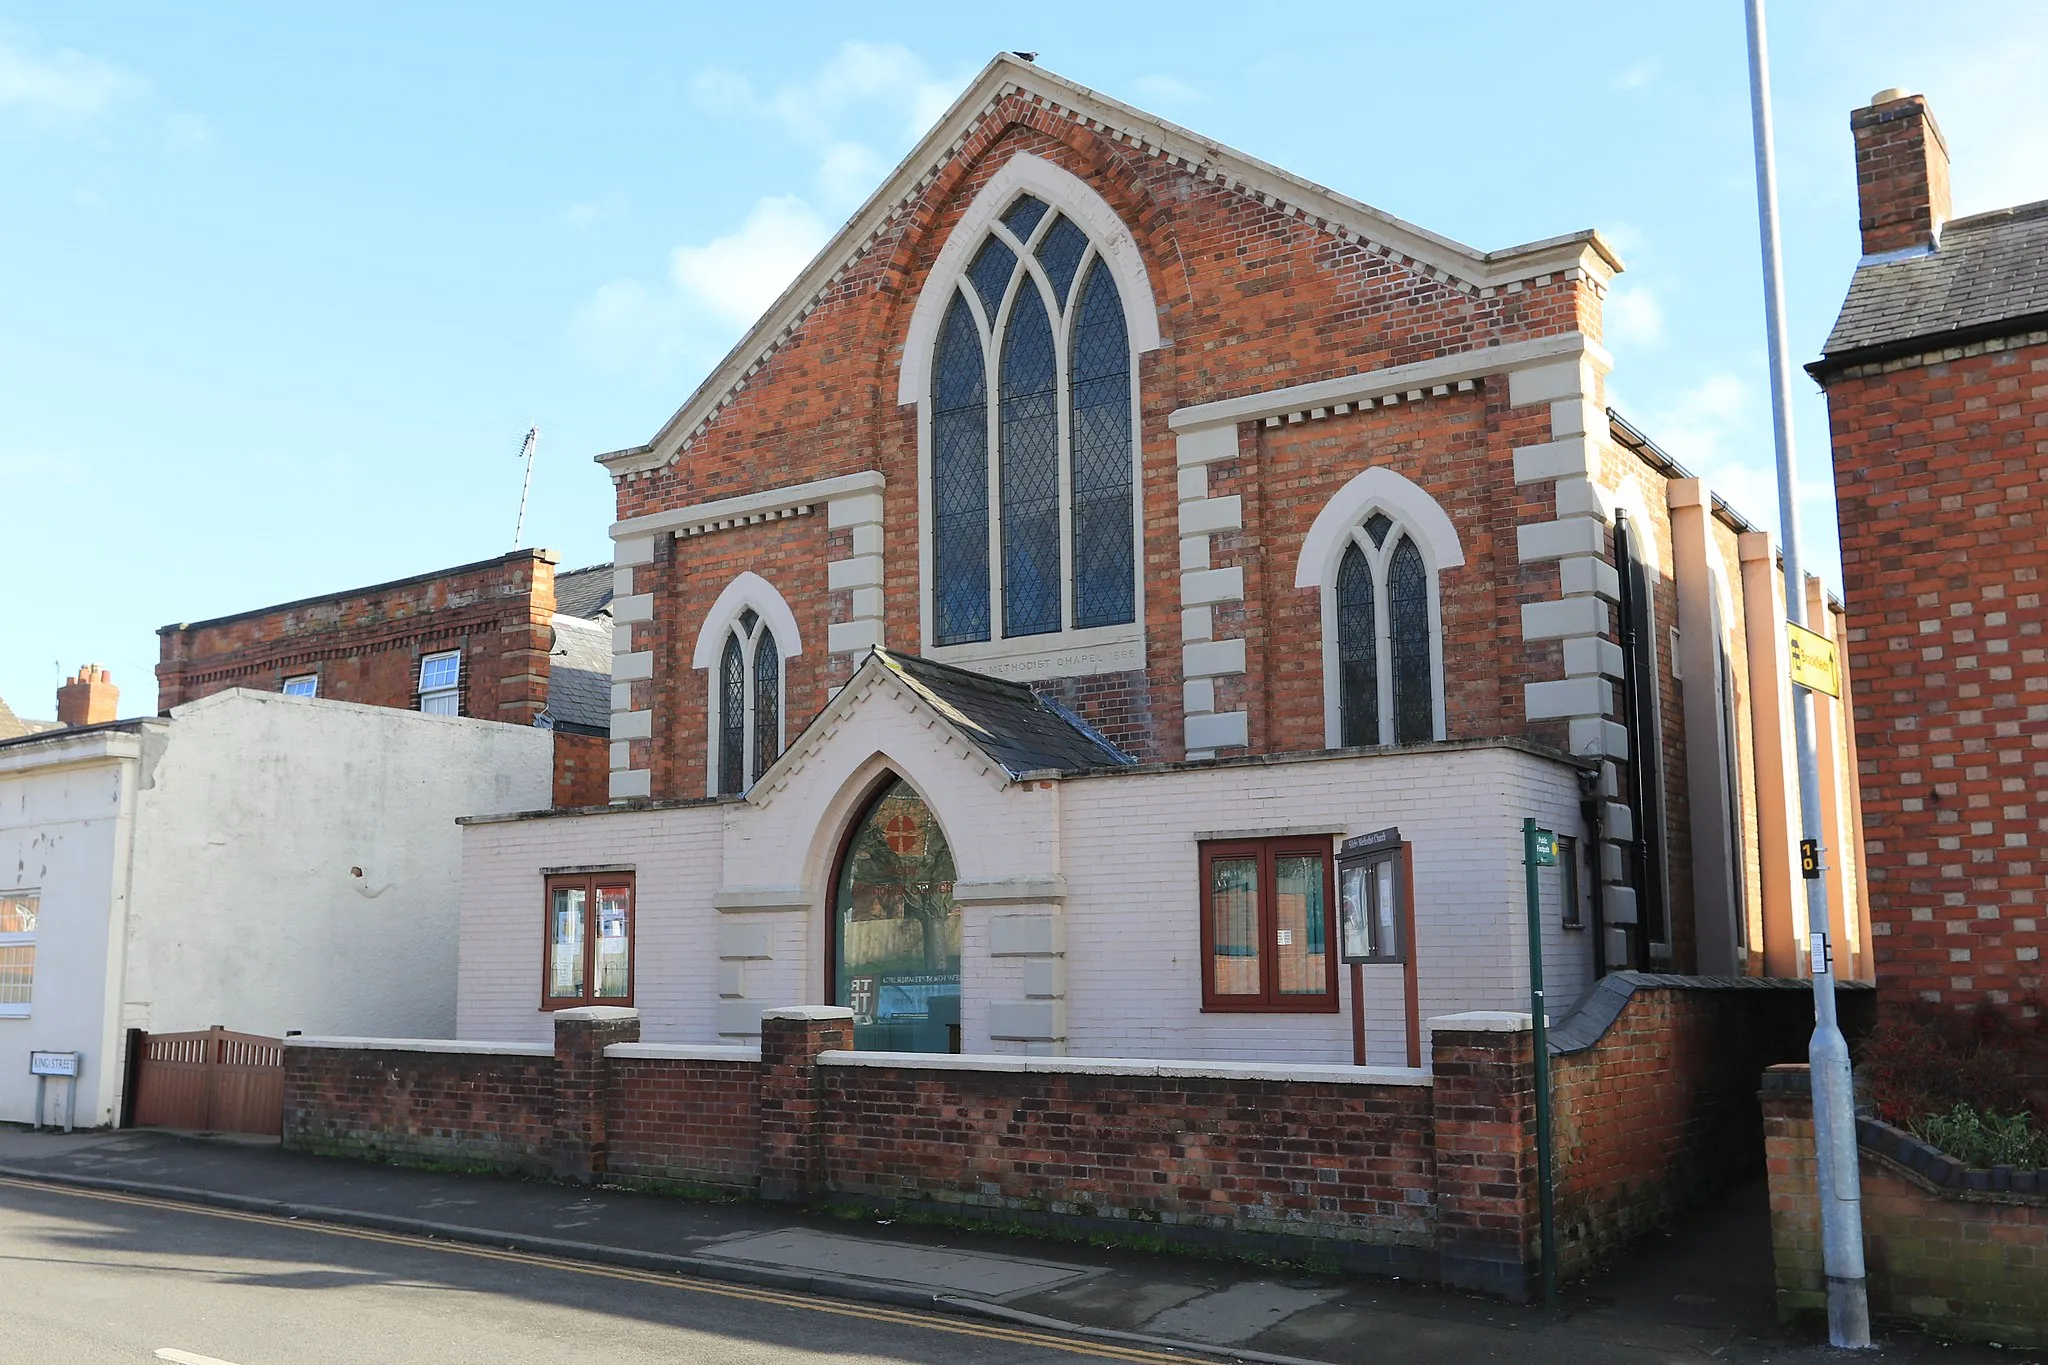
{"x":939,"y":1268}
{"x":1230,"y":1317}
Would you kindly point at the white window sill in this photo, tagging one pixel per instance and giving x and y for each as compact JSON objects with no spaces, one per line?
{"x":14,"y":1011}
{"x":1062,"y":654}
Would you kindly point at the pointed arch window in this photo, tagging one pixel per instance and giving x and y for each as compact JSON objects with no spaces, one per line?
{"x":1383,"y":648}
{"x":1033,"y":463}
{"x":748,"y":688}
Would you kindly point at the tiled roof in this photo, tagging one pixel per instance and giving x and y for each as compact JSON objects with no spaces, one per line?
{"x":584,"y":592}
{"x":580,"y":676}
{"x":14,"y":727}
{"x":1990,"y":269}
{"x":1014,"y":726}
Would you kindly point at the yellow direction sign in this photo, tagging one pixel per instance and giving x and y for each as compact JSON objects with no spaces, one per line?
{"x":1813,"y":660}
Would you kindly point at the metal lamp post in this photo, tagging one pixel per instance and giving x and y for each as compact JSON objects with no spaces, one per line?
{"x":1834,"y":1116}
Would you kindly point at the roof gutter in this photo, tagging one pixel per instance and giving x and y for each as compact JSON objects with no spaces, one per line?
{"x":1924,"y":342}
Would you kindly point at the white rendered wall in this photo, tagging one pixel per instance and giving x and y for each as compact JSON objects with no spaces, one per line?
{"x":1133,"y":877}
{"x":674,"y":857}
{"x":66,"y":810}
{"x":1125,"y":846}
{"x":248,"y":910}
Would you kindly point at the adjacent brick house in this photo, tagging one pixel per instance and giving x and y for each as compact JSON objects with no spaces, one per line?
{"x":506,"y":639}
{"x":1936,"y":376}
{"x":1301,"y":520}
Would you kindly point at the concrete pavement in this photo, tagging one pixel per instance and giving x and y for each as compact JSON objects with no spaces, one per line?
{"x":1705,"y":1294}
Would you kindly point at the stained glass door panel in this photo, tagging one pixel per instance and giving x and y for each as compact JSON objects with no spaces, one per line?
{"x":897,"y":929}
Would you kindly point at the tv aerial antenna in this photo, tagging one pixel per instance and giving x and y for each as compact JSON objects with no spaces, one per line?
{"x":527,"y":449}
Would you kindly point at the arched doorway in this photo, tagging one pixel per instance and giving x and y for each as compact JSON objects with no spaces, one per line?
{"x":896,"y":929}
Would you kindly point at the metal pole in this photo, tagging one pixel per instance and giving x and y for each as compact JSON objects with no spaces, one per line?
{"x":1834,"y":1099}
{"x":1541,"y":1043}
{"x":527,"y":449}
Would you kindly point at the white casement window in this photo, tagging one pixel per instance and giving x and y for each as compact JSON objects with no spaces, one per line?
{"x":1023,"y":357}
{"x":19,"y":911}
{"x":747,"y":640}
{"x":441,"y":683}
{"x":1375,"y":555}
{"x":305,"y":685}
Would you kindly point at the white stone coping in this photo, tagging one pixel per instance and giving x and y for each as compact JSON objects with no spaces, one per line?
{"x":811,"y":1013}
{"x":1483,"y":1021}
{"x":683,"y":1052}
{"x":598,"y":1014}
{"x":450,"y":1045}
{"x":1322,"y":1073}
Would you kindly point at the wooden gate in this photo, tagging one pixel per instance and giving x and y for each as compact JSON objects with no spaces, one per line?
{"x":216,"y":1082}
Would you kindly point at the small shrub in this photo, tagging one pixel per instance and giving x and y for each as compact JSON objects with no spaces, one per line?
{"x":1980,"y":1138}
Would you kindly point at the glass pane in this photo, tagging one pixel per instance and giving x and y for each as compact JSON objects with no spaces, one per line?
{"x":1030,"y":472}
{"x":1377,"y":527}
{"x":959,"y":482}
{"x":17,"y":973}
{"x":1023,"y":216}
{"x":1408,"y":613}
{"x":1059,"y":251}
{"x":898,"y":948}
{"x":301,"y":687}
{"x":18,"y":914}
{"x":732,"y":719}
{"x":1354,"y":912}
{"x":748,"y":620}
{"x":990,"y":275}
{"x":1105,"y":590}
{"x":565,"y":944}
{"x":1299,"y":922}
{"x":1358,"y":643}
{"x":1387,"y":934}
{"x":1234,"y":925}
{"x":767,"y":703}
{"x":440,"y":670}
{"x":614,"y":944}
{"x":441,"y":703}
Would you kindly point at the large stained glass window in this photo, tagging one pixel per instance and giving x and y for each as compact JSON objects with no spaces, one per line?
{"x":1038,"y":317}
{"x":896,"y":929}
{"x":1408,"y":626}
{"x":1358,"y":636}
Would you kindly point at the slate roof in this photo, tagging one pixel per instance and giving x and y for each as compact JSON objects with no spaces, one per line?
{"x":1988,"y":277}
{"x":1018,"y":729}
{"x":584,"y":592}
{"x":580,"y":676}
{"x":14,"y":727}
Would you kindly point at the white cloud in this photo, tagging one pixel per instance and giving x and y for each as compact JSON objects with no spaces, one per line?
{"x":1636,"y":75}
{"x":848,"y":172}
{"x":1165,"y":90}
{"x":733,"y":278}
{"x":714,"y":291}
{"x":64,"y":88}
{"x":1720,"y":429}
{"x":1633,"y":316}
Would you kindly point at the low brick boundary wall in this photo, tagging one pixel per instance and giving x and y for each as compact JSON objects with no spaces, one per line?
{"x":1942,"y":1248}
{"x":1426,"y":1173}
{"x":426,"y":1102}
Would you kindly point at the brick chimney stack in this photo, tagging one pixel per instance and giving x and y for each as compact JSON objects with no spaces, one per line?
{"x":88,"y":699}
{"x":1901,"y":172}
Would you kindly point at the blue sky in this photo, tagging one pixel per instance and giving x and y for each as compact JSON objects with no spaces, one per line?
{"x":282,"y":287}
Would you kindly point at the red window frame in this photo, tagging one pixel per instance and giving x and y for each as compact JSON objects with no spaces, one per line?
{"x":1269,"y":1000}
{"x":590,"y":883}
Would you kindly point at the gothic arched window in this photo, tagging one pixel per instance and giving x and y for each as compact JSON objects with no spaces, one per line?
{"x":1038,"y":317}
{"x":749,"y":692}
{"x":1382,"y":614}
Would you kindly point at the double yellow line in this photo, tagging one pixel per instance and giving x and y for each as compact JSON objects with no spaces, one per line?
{"x":899,"y":1317}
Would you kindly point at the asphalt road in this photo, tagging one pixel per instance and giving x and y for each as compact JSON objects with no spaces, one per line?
{"x":93,"y":1278}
